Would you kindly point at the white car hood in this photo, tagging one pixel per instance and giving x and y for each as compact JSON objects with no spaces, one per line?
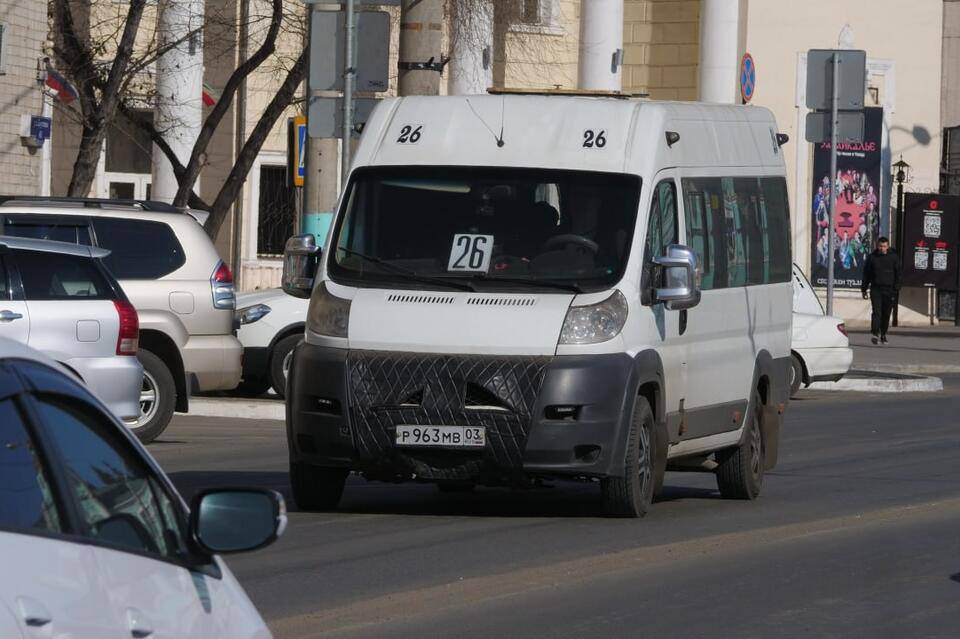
{"x":264,"y":296}
{"x":455,"y":322}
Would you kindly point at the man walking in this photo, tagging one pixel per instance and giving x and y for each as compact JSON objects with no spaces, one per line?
{"x":881,"y":275}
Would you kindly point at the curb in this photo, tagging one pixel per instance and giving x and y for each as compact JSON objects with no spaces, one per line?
{"x":882,"y":382}
{"x":915,"y":369}
{"x":237,"y":408}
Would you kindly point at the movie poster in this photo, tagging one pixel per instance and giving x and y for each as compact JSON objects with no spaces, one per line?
{"x":857,"y":223}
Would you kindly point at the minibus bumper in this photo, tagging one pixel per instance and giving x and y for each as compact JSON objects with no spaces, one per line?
{"x":547,"y":416}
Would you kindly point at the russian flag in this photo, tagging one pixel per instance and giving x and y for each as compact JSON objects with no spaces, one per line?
{"x":61,"y":85}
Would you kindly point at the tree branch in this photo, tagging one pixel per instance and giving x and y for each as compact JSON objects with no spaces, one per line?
{"x":238,"y":175}
{"x":248,"y":66}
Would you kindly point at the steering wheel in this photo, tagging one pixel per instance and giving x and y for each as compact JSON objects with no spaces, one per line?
{"x":570,"y":238}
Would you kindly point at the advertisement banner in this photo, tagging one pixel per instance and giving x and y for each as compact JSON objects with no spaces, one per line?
{"x":858,"y":216}
{"x":931,"y":230}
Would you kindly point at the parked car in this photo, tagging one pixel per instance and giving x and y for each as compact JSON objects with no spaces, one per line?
{"x":60,"y":299}
{"x":821,"y":349}
{"x":271,"y":326}
{"x":174,"y":277}
{"x":95,"y":541}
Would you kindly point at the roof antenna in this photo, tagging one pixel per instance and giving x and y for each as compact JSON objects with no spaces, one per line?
{"x":500,"y":141}
{"x":498,"y":138}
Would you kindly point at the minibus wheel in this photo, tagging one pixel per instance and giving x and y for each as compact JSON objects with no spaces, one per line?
{"x":631,"y":494}
{"x":740,"y":469}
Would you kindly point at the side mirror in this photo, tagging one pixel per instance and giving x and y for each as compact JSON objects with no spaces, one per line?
{"x":680,"y":279}
{"x":301,"y":256}
{"x":237,"y":520}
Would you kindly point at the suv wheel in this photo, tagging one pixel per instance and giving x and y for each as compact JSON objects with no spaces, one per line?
{"x":631,"y":494}
{"x":796,"y":374}
{"x":316,"y":488}
{"x":158,"y":397}
{"x":280,"y":360}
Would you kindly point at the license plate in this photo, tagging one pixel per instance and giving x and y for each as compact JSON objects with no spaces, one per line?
{"x":442,"y":436}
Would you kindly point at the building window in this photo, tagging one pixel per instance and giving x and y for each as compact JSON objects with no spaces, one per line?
{"x":278,"y":212}
{"x":129,"y":148}
{"x":530,"y":12}
{"x":3,"y":49}
{"x":538,"y":16}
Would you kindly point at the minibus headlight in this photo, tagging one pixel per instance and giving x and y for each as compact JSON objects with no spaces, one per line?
{"x":595,"y":323}
{"x":328,"y":315}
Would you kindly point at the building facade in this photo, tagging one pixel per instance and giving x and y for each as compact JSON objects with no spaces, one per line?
{"x":23,"y":32}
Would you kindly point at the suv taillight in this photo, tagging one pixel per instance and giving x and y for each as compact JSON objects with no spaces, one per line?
{"x":128,"y":340}
{"x":222,"y":283}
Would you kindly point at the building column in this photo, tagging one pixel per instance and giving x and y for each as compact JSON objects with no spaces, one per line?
{"x":719,"y":50}
{"x":179,"y":85}
{"x":601,"y":45}
{"x":471,"y":57}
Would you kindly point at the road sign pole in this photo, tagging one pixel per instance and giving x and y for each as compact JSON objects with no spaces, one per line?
{"x":349,"y":73}
{"x":834,"y":127}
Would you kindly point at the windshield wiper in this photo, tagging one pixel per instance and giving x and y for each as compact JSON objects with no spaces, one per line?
{"x":573,"y":288}
{"x":410,"y":273}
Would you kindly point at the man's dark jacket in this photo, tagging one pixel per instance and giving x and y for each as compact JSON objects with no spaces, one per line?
{"x":882,"y":271}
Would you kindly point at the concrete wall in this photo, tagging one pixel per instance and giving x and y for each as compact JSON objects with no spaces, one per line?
{"x":661,"y":48}
{"x":904,"y":52}
{"x":25,"y":29}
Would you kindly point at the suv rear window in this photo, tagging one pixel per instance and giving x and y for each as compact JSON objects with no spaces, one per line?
{"x":139,"y":249}
{"x":56,"y":276}
{"x":56,"y":229}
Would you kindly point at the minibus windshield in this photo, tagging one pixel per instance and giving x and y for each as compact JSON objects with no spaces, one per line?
{"x":493,"y":229}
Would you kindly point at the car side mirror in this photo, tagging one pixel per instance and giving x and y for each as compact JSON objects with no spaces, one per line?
{"x":237,"y":520}
{"x":301,"y":256}
{"x":680,"y":279}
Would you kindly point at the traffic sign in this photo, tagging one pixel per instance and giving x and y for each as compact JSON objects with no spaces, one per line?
{"x":748,"y":77}
{"x":325,"y":115}
{"x":850,"y":128}
{"x":371,"y":51}
{"x":852,"y":82}
{"x":299,"y":149}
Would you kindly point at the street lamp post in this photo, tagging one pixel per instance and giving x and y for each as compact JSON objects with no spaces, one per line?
{"x":901,"y":176}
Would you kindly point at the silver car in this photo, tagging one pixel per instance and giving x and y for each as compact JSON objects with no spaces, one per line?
{"x":60,"y":299}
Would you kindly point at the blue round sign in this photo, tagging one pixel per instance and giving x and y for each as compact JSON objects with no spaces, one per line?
{"x":748,"y":77}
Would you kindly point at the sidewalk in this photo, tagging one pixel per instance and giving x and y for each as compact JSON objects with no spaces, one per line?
{"x":923,"y":351}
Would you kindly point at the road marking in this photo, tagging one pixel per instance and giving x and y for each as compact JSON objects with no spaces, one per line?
{"x":475,"y":590}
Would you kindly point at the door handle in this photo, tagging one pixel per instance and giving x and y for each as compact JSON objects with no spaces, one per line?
{"x":140,"y":627}
{"x":34,"y":614}
{"x":9,"y":316}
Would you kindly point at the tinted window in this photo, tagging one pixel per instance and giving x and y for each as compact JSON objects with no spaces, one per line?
{"x":117,"y":497}
{"x":485,"y":224}
{"x":58,"y":229}
{"x":662,"y":229}
{"x":57,"y":276}
{"x":25,"y":497}
{"x":740,"y":230}
{"x":4,"y":286}
{"x":139,"y":249}
{"x":775,"y":214}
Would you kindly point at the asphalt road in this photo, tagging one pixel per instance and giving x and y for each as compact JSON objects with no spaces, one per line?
{"x":856,"y":534}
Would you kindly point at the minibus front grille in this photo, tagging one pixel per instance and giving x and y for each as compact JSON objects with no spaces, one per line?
{"x":447,"y":389}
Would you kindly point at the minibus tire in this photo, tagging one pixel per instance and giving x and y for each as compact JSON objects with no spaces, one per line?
{"x":315,"y":488}
{"x":630,"y":495}
{"x":740,"y":469}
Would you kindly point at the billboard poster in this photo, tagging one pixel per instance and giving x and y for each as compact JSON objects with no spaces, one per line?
{"x":857,"y":223}
{"x":931,"y":230}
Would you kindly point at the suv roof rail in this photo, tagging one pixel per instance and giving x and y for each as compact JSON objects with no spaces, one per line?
{"x":89,"y":202}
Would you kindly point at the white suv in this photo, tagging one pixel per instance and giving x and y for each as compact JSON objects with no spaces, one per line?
{"x":170,"y":270}
{"x":61,"y":300}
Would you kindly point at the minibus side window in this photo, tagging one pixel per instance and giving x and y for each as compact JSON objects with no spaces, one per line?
{"x":733,"y":232}
{"x":776,"y":216}
{"x":751,"y":230}
{"x":703,"y":203}
{"x":662,"y":229}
